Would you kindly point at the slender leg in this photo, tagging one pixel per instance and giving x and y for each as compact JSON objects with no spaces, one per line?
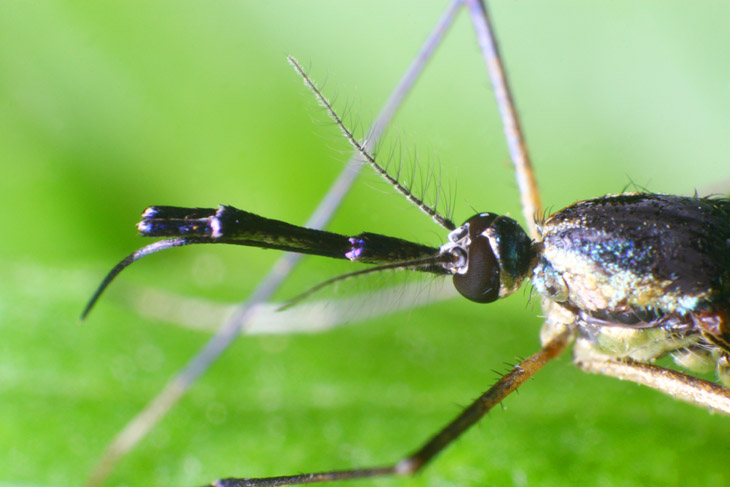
{"x":678,"y":385}
{"x":524,"y":175}
{"x":509,"y":383}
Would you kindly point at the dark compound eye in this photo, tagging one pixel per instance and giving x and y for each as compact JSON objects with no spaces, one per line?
{"x":480,"y":281}
{"x":498,"y":254}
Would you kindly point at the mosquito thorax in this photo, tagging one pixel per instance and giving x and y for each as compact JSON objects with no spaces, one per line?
{"x":492,"y":256}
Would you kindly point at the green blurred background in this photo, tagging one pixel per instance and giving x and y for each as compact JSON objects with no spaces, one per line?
{"x":106,"y":108}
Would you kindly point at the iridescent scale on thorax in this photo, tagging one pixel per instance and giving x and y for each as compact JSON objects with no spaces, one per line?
{"x":642,"y":275}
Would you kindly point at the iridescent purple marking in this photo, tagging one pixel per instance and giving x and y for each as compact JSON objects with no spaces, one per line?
{"x":358,"y":247}
{"x":216,"y":229}
{"x":150,"y":212}
{"x":144,"y":227}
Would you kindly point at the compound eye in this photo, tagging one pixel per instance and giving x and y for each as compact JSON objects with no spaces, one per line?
{"x":480,"y":282}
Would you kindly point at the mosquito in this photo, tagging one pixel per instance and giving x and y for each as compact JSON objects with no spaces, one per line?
{"x":624,"y":278}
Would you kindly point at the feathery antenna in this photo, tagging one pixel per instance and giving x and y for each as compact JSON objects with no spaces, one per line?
{"x":361,"y":148}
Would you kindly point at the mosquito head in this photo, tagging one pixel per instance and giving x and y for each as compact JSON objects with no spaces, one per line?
{"x":492,"y":257}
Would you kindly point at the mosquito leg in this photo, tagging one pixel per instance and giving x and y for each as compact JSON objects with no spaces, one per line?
{"x":526,"y":181}
{"x":411,"y":464}
{"x":157,"y":408}
{"x":678,"y":385}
